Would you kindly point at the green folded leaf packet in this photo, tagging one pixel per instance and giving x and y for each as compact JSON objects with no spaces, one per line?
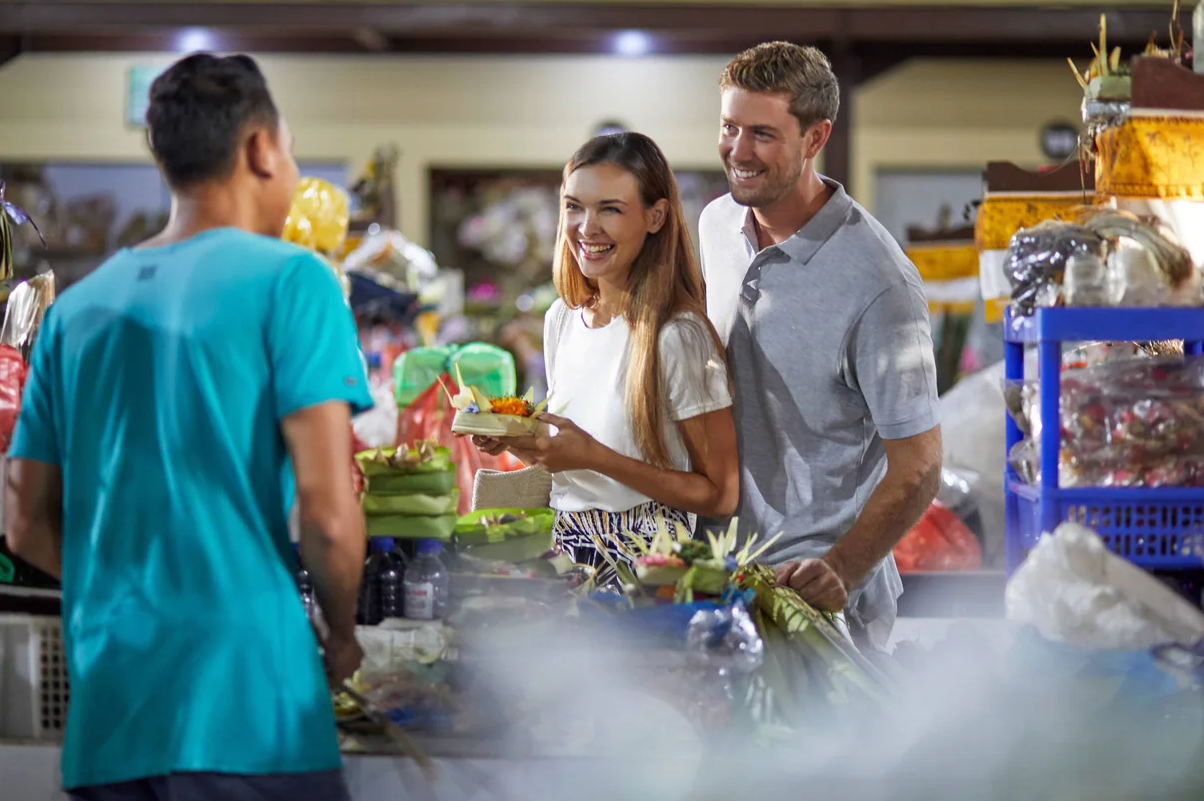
{"x":411,"y":503}
{"x":506,"y":535}
{"x":440,"y":483}
{"x":410,"y":493}
{"x":412,"y":527}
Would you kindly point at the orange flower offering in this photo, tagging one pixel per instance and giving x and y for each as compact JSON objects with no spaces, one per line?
{"x":518,"y":407}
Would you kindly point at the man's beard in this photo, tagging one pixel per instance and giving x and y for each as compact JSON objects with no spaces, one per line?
{"x":768,"y":193}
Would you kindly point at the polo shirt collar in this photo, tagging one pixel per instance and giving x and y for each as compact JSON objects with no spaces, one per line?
{"x":818,"y":230}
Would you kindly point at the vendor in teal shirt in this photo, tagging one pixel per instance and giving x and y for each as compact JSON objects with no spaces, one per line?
{"x":177,"y":395}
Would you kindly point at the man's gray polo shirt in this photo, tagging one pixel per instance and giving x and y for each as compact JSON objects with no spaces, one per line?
{"x":830,"y":350}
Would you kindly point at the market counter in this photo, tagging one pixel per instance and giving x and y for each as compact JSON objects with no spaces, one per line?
{"x":465,"y":770}
{"x":970,"y":594}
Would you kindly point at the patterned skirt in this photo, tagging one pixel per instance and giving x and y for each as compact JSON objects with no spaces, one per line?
{"x":584,"y":536}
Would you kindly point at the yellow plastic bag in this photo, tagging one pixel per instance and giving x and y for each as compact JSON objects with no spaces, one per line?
{"x":318,"y":221}
{"x":319,"y":216}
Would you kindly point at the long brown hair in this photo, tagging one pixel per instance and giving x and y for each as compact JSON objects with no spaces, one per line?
{"x":664,"y":281}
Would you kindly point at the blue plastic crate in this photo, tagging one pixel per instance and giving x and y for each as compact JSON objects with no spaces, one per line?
{"x":1153,"y":528}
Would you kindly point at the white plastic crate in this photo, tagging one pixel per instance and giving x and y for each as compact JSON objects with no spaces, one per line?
{"x":33,"y":678}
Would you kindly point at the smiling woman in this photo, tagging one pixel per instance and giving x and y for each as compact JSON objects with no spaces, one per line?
{"x":635,"y":369}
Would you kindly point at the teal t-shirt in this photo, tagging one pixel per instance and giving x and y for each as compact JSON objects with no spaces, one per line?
{"x":158,"y":384}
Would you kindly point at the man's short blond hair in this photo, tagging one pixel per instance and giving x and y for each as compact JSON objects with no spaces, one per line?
{"x":803,"y":74}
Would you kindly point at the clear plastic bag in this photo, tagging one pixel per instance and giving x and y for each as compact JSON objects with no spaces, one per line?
{"x":389,"y":260}
{"x":1125,"y":423}
{"x":1036,"y":261}
{"x":725,"y":647}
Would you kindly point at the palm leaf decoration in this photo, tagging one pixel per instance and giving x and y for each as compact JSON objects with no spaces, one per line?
{"x":10,"y":215}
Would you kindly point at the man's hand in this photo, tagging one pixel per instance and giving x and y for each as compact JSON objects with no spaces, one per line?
{"x":343,"y":658}
{"x":570,"y":449}
{"x":816,"y":582}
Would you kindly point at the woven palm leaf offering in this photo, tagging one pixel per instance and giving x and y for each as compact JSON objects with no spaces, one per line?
{"x":808,"y":670}
{"x":500,"y":416}
{"x":677,"y":566}
{"x":1107,"y":87}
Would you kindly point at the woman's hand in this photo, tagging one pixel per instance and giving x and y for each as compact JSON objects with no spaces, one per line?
{"x":570,"y":449}
{"x":490,"y":445}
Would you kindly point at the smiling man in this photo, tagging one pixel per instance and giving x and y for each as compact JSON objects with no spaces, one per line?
{"x":828,"y":338}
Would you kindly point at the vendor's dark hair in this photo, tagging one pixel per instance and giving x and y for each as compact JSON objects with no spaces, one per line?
{"x":200,"y":110}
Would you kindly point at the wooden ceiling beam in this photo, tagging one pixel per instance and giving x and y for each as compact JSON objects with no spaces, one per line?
{"x":372,"y":40}
{"x":169,"y":41}
{"x":881,"y":37}
{"x":10,"y":48}
{"x":451,"y":19}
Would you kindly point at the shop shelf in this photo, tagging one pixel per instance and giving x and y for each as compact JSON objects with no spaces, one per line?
{"x":1092,"y":324}
{"x":1154,"y":528}
{"x":33,"y":679}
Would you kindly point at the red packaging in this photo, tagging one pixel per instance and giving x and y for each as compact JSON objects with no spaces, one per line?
{"x":13,"y":371}
{"x":939,"y":542}
{"x":430,"y":417}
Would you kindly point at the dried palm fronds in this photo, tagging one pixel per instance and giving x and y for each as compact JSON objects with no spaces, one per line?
{"x":423,"y":452}
{"x":1104,"y":65}
{"x":1171,"y":258}
{"x":1175,"y":51}
{"x":10,"y":215}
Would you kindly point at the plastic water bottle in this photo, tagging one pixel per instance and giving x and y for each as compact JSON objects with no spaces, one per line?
{"x":426,"y":583}
{"x":381,"y":590}
{"x":305,"y":586}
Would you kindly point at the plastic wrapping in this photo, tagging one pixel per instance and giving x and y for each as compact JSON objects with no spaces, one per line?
{"x":1125,"y":423}
{"x":1086,"y":281}
{"x":391,"y":260}
{"x":974,"y":434}
{"x":1111,"y":259}
{"x":12,"y":382}
{"x":945,"y":538}
{"x":487,"y":367}
{"x":27,"y":305}
{"x":319,"y":216}
{"x":318,"y":221}
{"x":1036,"y":259}
{"x":726,"y":646}
{"x":1073,"y":590}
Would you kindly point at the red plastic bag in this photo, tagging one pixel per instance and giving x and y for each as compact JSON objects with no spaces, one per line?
{"x":430,"y":417}
{"x":13,"y":371}
{"x":939,"y":542}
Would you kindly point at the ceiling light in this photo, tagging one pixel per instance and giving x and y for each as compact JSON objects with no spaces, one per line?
{"x":192,"y":40}
{"x":632,"y":43}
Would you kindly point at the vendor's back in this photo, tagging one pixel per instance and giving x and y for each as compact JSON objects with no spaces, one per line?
{"x":166,"y":374}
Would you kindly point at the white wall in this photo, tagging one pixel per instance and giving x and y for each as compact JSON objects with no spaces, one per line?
{"x":533,"y":111}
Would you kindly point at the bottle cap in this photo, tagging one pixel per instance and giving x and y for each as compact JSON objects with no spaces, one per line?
{"x":380,"y":544}
{"x":429,"y":546}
